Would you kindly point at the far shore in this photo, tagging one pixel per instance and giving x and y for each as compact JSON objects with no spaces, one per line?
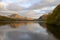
{"x":21,"y":21}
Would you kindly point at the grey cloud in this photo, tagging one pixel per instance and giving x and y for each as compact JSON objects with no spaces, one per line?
{"x":23,"y":12}
{"x":14,"y":7}
{"x":32,"y":14}
{"x":6,"y":13}
{"x":0,"y":0}
{"x":42,"y":4}
{"x":37,"y":5}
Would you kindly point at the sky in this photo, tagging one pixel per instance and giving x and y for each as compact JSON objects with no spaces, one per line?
{"x":29,"y":8}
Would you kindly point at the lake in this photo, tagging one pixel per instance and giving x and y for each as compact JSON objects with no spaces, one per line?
{"x":25,"y":31}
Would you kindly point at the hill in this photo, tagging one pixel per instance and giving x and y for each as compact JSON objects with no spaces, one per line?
{"x":3,"y":18}
{"x":53,"y":22}
{"x":16,"y":16}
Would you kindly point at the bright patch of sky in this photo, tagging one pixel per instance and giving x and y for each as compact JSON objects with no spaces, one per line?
{"x":39,"y":11}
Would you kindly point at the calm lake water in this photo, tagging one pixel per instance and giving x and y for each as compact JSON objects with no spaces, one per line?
{"x":25,"y":31}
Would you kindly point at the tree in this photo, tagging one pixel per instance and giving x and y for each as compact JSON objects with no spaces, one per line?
{"x":54,"y":17}
{"x":53,"y":22}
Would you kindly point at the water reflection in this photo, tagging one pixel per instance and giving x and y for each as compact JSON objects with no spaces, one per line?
{"x":52,"y":30}
{"x":25,"y":31}
{"x":55,"y":30}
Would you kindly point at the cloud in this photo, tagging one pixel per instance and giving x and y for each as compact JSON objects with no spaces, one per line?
{"x":23,"y":3}
{"x":2,"y":6}
{"x":28,"y":3}
{"x":44,"y":3}
{"x":31,"y":8}
{"x":6,"y":13}
{"x":32,"y":4}
{"x":33,"y":14}
{"x":8,"y":2}
{"x":14,"y":7}
{"x":0,"y":0}
{"x":48,"y":8}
